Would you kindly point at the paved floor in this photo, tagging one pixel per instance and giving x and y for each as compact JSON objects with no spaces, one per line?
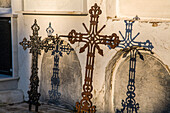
{"x":23,"y":108}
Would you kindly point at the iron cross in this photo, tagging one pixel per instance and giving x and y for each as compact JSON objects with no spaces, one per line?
{"x":60,"y":48}
{"x":36,"y":45}
{"x":130,"y":45}
{"x":92,"y":40}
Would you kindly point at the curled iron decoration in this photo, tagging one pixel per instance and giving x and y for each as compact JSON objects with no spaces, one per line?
{"x":92,"y":39}
{"x":36,"y":45}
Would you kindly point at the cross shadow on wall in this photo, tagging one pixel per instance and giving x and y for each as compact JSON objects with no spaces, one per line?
{"x":129,"y":45}
{"x":54,"y":93}
{"x":129,"y":104}
{"x":60,"y":49}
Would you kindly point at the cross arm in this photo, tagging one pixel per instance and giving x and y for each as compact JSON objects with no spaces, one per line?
{"x":25,"y":43}
{"x":112,"y":40}
{"x":73,"y":37}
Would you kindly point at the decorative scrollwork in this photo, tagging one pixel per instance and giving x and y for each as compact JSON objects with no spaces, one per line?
{"x":36,"y":45}
{"x":35,"y":28}
{"x":95,"y":11}
{"x":92,"y":41}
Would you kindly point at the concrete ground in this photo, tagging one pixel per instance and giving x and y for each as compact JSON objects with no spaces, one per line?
{"x":23,"y":108}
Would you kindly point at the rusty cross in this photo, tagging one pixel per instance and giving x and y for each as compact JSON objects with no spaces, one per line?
{"x":92,"y":40}
{"x":36,"y":45}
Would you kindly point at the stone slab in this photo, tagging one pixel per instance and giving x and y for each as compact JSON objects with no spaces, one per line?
{"x":9,"y":83}
{"x":11,"y":96}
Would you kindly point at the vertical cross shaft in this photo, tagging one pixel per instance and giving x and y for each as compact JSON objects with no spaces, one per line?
{"x":60,"y":48}
{"x":36,"y":46}
{"x":34,"y":83}
{"x":92,"y":40}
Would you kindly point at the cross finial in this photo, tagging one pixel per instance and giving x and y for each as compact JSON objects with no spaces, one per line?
{"x":49,"y":30}
{"x":95,"y":11}
{"x":93,"y":34}
{"x":35,"y":28}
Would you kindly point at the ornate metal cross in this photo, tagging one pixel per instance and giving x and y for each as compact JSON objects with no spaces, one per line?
{"x":60,"y":48}
{"x":130,"y":104}
{"x":36,"y":45}
{"x":92,"y":40}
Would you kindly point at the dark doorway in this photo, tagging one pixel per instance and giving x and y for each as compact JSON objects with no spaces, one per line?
{"x":5,"y":46}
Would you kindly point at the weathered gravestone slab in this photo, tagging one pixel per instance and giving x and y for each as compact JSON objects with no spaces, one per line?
{"x":69,"y":74}
{"x":152,"y":81}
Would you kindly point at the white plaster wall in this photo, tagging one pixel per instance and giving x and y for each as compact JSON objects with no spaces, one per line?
{"x":16,"y":5}
{"x":145,"y":8}
{"x":142,"y":8}
{"x":159,"y":36}
{"x":53,"y":5}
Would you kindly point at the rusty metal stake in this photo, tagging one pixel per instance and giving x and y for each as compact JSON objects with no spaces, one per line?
{"x":92,"y":40}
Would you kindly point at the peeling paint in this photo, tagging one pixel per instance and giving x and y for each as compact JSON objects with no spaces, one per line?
{"x":154,"y":24}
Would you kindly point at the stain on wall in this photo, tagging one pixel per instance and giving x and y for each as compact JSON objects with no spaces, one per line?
{"x":5,"y":3}
{"x":108,"y":81}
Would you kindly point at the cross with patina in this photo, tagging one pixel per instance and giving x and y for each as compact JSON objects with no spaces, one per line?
{"x":36,"y":45}
{"x":92,"y":40}
{"x":60,"y":48}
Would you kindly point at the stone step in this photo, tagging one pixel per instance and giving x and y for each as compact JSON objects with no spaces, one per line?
{"x":11,"y":96}
{"x":9,"y":83}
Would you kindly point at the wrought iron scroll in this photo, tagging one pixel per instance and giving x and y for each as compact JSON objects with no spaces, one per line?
{"x":36,"y":45}
{"x":60,"y":48}
{"x":92,"y":40}
{"x":130,"y":45}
